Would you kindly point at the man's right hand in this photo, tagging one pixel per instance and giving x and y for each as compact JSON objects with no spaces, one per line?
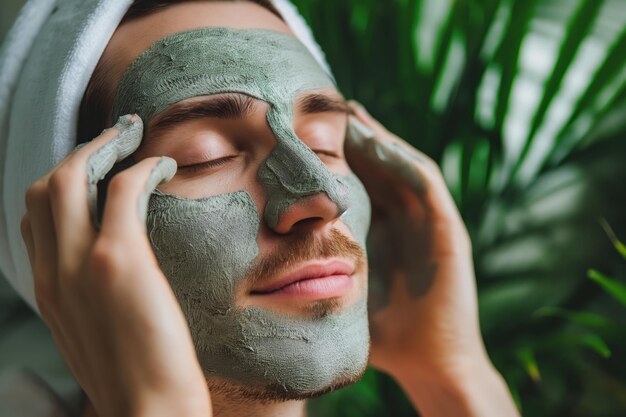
{"x":109,"y":307}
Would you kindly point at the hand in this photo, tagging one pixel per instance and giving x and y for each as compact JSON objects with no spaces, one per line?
{"x":109,"y":307}
{"x":423,"y":301}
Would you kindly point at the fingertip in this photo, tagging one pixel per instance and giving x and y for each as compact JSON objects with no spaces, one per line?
{"x":122,"y":123}
{"x":128,"y":119}
{"x":166,"y":168}
{"x":162,"y":172}
{"x":360,"y":110}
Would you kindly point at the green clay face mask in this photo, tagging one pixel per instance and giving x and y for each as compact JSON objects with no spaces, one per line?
{"x":205,"y":246}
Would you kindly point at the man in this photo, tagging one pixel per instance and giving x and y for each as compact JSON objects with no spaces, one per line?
{"x":245,"y":293}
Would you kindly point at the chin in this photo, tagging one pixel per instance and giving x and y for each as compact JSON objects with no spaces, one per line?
{"x":275,"y":393}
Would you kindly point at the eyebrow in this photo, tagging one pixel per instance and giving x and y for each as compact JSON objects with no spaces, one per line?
{"x":238,"y":106}
{"x":320,"y":103}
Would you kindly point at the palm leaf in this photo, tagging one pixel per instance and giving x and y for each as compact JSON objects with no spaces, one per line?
{"x":522,"y":102}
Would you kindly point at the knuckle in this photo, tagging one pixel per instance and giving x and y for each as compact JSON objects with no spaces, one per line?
{"x":105,"y":259}
{"x":35,"y":193}
{"x":60,"y":181}
{"x":74,"y":166}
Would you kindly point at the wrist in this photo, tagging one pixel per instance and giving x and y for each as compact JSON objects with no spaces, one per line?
{"x":475,"y":389}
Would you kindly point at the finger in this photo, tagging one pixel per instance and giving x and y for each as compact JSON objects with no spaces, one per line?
{"x":128,"y":194}
{"x":361,"y":113}
{"x":84,"y":150}
{"x":362,"y":139}
{"x":42,"y":229}
{"x":102,"y":160}
{"x":382,"y":148}
{"x":384,"y":135}
{"x":71,"y":183}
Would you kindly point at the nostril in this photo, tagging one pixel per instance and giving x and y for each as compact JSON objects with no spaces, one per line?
{"x":308,"y":221}
{"x":309,"y":212}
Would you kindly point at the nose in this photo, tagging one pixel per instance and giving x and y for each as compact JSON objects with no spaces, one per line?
{"x":308,"y":213}
{"x":300,"y":190}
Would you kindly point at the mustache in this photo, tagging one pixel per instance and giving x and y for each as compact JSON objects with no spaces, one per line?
{"x":305,"y":247}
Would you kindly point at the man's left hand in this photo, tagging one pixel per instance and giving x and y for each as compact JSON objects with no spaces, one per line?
{"x":423,"y":302}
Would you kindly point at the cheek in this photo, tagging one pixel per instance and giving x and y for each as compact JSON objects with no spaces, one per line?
{"x":203,"y":246}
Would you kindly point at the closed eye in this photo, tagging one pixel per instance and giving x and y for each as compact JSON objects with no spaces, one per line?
{"x":226,"y":159}
{"x":208,"y":164}
{"x":327,"y":153}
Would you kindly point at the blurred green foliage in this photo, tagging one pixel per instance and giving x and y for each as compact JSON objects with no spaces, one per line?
{"x":523,"y":103}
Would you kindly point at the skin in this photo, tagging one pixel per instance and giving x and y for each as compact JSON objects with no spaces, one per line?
{"x":117,"y":322}
{"x":204,"y":246}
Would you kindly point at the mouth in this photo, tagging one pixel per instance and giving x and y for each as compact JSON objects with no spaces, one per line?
{"x":317,"y":280}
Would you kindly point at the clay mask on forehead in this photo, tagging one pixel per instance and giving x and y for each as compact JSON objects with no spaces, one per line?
{"x":205,"y":246}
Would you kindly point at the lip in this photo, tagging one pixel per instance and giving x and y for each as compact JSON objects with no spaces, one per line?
{"x":315,"y":280}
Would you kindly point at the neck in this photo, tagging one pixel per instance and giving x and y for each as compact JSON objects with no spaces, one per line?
{"x":225,"y":407}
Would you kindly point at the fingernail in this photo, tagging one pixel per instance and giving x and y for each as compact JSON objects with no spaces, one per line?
{"x":127,"y":140}
{"x":122,"y":123}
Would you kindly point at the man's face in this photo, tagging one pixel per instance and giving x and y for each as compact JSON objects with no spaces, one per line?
{"x":250,"y":206}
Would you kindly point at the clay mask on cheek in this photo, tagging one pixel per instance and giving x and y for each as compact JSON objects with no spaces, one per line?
{"x":205,"y":246}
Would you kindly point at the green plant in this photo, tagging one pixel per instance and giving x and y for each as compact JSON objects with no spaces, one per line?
{"x":523,"y":103}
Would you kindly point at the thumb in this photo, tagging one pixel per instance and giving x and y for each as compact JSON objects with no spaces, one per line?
{"x":125,"y":211}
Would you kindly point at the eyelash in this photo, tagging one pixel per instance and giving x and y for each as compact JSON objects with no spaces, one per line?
{"x":206,"y":165}
{"x":327,"y":153}
{"x":221,"y":161}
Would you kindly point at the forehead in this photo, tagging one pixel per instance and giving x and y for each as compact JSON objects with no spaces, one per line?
{"x":265,"y":64}
{"x":132,"y":38}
